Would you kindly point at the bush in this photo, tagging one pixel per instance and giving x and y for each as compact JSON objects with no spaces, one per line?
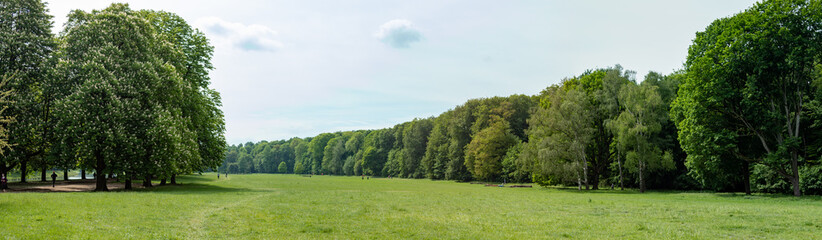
{"x":810,"y":180}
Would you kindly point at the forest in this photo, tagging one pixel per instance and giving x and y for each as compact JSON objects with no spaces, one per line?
{"x":743,"y":114}
{"x":124,"y":93}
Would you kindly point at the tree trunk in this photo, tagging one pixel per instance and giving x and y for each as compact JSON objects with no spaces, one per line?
{"x":162,"y":182}
{"x":100,"y":177}
{"x":128,"y":182}
{"x":43,"y":174}
{"x":585,"y":173}
{"x":83,"y":173}
{"x":796,"y":190}
{"x":173,"y":179}
{"x":621,"y":183}
{"x":746,"y":177}
{"x":579,"y":181}
{"x":147,"y":181}
{"x":65,"y":174}
{"x":23,"y":170}
{"x":641,"y":178}
{"x":795,"y":171}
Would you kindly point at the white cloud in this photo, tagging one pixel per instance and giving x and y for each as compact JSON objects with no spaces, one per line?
{"x":399,"y":33}
{"x":252,"y":37}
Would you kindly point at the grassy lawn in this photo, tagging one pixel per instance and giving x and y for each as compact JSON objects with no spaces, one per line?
{"x":295,"y":207}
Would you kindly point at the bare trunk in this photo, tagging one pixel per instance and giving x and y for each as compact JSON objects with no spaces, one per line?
{"x":128,"y":182}
{"x":619,"y":162}
{"x":23,"y":169}
{"x":100,"y":177}
{"x":173,"y":179}
{"x":43,"y":174}
{"x":795,"y":172}
{"x":83,"y":174}
{"x":147,"y":181}
{"x":747,"y":177}
{"x":65,"y":174}
{"x":585,"y":172}
{"x":162,"y":182}
{"x":641,"y":178}
{"x":579,"y":182}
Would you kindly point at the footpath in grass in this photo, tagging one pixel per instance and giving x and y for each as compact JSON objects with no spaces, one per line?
{"x":295,"y":207}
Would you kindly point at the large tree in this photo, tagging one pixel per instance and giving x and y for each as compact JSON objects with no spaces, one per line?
{"x":636,"y":130}
{"x":26,"y":44}
{"x":560,"y":132}
{"x":126,"y":113}
{"x":752,"y":72}
{"x":483,"y":155}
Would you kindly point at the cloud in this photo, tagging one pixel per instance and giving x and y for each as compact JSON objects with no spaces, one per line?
{"x":399,"y":33}
{"x":252,"y":37}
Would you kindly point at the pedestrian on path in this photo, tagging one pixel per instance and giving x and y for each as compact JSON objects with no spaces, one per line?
{"x":53,"y":178}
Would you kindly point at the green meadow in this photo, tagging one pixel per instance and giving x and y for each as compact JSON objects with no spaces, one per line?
{"x":267,"y":206}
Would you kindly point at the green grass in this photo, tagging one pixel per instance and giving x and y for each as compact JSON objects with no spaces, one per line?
{"x":295,"y":207}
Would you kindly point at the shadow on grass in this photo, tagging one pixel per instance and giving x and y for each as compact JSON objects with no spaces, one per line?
{"x":196,"y":184}
{"x":195,"y":188}
{"x":737,"y":195}
{"x":772,"y":196}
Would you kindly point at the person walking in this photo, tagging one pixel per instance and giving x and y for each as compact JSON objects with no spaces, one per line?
{"x":53,"y":178}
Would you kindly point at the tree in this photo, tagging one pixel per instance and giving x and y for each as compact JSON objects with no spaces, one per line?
{"x":560,"y":133}
{"x":26,"y":44}
{"x":636,"y":127}
{"x":282,"y":168}
{"x":298,"y":168}
{"x":316,"y":149}
{"x":483,"y":156}
{"x":5,"y":119}
{"x":246,"y":163}
{"x":121,"y":91}
{"x":436,"y":151}
{"x":753,"y":73}
{"x":414,"y":141}
{"x":201,"y":121}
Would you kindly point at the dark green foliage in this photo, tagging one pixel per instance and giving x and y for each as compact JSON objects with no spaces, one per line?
{"x":26,"y":47}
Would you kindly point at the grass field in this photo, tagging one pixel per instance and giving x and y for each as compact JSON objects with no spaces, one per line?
{"x":295,"y":207}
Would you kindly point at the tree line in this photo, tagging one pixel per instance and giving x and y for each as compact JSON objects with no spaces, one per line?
{"x":742,"y":115}
{"x":123,"y":92}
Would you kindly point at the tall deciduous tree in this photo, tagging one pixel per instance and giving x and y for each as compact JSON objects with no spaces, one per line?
{"x":483,"y":156}
{"x":753,"y":73}
{"x":26,"y":44}
{"x":560,"y":133}
{"x":635,"y":130}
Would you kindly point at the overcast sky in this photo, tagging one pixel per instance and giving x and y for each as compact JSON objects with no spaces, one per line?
{"x":299,"y":68}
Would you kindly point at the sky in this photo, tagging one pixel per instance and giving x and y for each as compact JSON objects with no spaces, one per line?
{"x":299,"y":68}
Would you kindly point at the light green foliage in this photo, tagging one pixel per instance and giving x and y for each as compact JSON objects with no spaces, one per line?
{"x":514,"y":168}
{"x":483,"y":156}
{"x":325,"y":207}
{"x":636,"y":128}
{"x":559,"y":136}
{"x":283,"y":168}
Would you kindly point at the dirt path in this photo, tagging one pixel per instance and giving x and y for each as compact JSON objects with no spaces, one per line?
{"x":66,"y":186}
